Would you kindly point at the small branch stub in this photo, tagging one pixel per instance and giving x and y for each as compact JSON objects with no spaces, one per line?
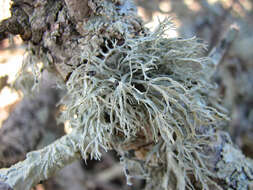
{"x":78,"y":9}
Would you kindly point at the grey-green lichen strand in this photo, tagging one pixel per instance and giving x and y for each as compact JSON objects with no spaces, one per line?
{"x":147,"y":89}
{"x":40,"y":165}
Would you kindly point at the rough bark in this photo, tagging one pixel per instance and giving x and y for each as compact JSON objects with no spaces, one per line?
{"x":78,"y":9}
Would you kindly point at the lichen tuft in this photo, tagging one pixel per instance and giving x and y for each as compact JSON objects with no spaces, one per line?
{"x":143,"y":93}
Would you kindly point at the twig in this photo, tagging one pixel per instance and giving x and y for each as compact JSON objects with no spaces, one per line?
{"x":110,"y":173}
{"x":3,"y":82}
{"x":218,"y":52}
{"x":40,"y":165}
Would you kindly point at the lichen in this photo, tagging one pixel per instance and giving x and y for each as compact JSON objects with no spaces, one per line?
{"x":140,"y":93}
{"x":144,"y":88}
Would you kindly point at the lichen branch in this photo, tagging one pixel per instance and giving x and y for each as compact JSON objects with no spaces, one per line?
{"x":40,"y":165}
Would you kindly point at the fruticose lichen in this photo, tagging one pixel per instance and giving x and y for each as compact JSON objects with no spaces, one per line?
{"x":142,"y":94}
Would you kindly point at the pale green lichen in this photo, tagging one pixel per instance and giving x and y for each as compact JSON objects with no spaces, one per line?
{"x":30,"y":74}
{"x":40,"y":165}
{"x":149,"y":88}
{"x":142,"y":94}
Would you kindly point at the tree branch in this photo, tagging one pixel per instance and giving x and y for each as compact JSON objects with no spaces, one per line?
{"x":26,"y":127}
{"x":131,"y":90}
{"x":220,"y":50}
{"x":18,"y":23}
{"x":40,"y":165}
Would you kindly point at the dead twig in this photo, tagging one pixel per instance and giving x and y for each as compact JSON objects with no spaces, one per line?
{"x":220,"y":50}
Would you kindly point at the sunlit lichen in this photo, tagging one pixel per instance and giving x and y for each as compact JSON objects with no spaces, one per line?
{"x":137,"y":92}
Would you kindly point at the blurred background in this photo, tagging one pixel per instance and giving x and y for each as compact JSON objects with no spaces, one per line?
{"x":208,"y":20}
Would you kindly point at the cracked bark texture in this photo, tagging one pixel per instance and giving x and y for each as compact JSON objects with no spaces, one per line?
{"x":56,"y":34}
